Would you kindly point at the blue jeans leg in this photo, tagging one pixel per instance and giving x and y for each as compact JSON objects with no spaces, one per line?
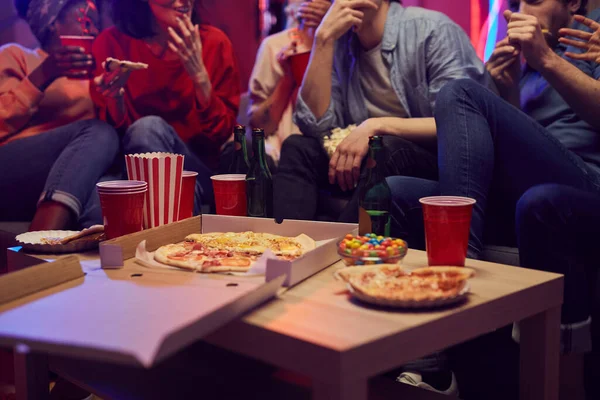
{"x":63,"y":165}
{"x":153,"y":133}
{"x":484,"y":143}
{"x":407,"y":215}
{"x":557,"y":231}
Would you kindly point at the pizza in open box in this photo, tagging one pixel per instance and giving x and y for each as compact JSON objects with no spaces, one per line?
{"x":231,"y":251}
{"x":424,"y":286}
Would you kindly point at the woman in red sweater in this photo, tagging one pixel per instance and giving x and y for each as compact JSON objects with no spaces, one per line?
{"x":186,"y":101}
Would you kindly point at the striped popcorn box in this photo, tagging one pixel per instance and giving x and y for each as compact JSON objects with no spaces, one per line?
{"x":163,"y":172}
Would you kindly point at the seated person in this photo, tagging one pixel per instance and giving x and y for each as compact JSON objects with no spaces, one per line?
{"x":186,"y":101}
{"x":542,"y":130}
{"x":380,"y":66}
{"x":272,"y":87}
{"x":52,"y":150}
{"x":557,"y":231}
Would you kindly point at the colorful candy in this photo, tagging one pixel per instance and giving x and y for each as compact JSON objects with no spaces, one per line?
{"x":371,"y":249}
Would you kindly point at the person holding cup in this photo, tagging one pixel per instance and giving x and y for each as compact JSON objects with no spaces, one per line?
{"x":186,"y":100}
{"x":278,"y":70}
{"x":49,"y":137}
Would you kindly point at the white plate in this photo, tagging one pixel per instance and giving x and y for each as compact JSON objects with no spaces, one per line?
{"x":410,"y":303}
{"x":31,"y":241}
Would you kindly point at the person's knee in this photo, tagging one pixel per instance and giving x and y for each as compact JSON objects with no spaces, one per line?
{"x":104,"y":136}
{"x":539,"y":204}
{"x":453,"y":91}
{"x":299,"y":147}
{"x":146,"y":133}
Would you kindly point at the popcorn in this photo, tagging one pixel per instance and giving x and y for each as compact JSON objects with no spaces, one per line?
{"x":331,"y":142}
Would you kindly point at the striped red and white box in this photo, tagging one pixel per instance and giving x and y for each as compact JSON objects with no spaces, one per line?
{"x":163,"y":172}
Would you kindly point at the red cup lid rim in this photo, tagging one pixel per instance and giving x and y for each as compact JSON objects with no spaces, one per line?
{"x":121,"y":184}
{"x":118,"y":193}
{"x":189,"y":173}
{"x":446,"y":201}
{"x":228,"y":177}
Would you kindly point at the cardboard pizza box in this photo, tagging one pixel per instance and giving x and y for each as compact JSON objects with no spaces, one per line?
{"x":126,"y":316}
{"x":114,"y":253}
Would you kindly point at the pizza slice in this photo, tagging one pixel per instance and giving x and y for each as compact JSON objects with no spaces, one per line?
{"x":112,"y":64}
{"x":387,"y":283}
{"x":251,"y":243}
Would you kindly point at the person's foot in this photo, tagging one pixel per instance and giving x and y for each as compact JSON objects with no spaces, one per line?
{"x":416,"y":379}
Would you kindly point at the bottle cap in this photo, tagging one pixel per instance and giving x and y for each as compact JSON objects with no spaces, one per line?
{"x":258,"y":132}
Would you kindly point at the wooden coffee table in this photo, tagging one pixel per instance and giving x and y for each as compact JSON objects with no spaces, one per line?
{"x":316,"y":330}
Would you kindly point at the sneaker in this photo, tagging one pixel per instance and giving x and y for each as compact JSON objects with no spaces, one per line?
{"x":415,"y":379}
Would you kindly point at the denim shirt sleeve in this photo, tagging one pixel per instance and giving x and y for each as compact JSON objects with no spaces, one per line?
{"x":450,"y":56}
{"x":307,"y":122}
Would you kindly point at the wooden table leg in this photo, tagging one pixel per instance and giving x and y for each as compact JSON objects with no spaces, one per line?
{"x":356,"y":389}
{"x":540,"y":352}
{"x":31,"y":374}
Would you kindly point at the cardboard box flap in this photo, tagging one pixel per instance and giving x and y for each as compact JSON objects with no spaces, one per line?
{"x":135,"y":321}
{"x":315,"y":229}
{"x":18,"y":284}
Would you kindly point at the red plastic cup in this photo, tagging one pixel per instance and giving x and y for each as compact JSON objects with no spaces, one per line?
{"x":447,"y":224}
{"x":78,"y":41}
{"x":230,"y":194}
{"x":188,"y":191}
{"x":122,"y":205}
{"x":299,"y":63}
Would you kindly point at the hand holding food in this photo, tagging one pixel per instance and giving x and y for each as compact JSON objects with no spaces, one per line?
{"x":525,"y":33}
{"x":344,"y":166}
{"x":116,"y":72}
{"x":343,"y":16}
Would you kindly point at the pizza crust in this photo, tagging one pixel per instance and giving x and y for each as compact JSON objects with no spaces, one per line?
{"x":346,"y":273}
{"x":461,"y":273}
{"x":162,"y":256}
{"x":112,"y":64}
{"x":230,"y":251}
{"x":384,"y":284}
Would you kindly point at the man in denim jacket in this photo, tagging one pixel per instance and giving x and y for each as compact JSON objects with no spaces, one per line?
{"x":380,"y":66}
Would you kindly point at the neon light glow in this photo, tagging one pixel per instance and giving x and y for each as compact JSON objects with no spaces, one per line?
{"x":484,"y":36}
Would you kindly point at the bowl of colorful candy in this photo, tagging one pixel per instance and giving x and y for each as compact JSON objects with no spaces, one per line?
{"x":371,"y":249}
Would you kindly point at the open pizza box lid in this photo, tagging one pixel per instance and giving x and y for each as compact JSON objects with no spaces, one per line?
{"x":118,"y":316}
{"x":121,"y":251}
{"x":136,"y":315}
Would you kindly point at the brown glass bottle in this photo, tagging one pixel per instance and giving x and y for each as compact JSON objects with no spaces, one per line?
{"x":259,"y":183}
{"x":375,"y":194}
{"x":240,"y":163}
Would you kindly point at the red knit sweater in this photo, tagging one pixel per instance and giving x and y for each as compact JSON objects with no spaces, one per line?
{"x":167,"y":91}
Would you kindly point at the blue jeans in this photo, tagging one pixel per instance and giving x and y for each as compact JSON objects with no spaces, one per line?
{"x":151,"y":133}
{"x":557,"y":231}
{"x":490,"y":151}
{"x":61,"y":165}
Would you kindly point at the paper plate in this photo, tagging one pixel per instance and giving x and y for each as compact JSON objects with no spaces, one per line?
{"x":410,"y":303}
{"x":32,"y":241}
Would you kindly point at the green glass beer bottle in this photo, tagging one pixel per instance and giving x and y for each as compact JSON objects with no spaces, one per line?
{"x":240,"y":162}
{"x":375,"y":194}
{"x":259,"y":183}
